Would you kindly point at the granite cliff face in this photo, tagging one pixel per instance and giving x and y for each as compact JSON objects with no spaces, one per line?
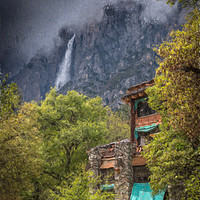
{"x":107,"y":57}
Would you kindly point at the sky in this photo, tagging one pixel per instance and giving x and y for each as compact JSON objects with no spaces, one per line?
{"x":29,"y":26}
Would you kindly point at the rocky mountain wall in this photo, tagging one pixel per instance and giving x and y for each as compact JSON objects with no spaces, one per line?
{"x":107,"y":57}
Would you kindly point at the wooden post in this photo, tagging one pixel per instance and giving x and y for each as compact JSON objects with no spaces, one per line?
{"x":132,"y":137}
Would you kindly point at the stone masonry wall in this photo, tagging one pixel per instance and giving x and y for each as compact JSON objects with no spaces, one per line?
{"x":121,"y":154}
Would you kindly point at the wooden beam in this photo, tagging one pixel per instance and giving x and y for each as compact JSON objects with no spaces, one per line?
{"x":132,"y":137}
{"x":133,"y":117}
{"x":141,"y":94}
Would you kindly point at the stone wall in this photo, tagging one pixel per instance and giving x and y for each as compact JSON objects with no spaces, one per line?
{"x":116,"y":156}
{"x":124,"y":179}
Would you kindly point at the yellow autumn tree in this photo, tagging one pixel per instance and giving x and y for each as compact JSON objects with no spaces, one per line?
{"x":173,"y":156}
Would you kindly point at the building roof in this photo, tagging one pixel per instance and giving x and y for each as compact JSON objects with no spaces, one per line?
{"x":137,"y":91}
{"x":139,"y":161}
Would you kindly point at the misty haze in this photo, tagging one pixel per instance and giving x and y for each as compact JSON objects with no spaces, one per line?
{"x":111,"y":51}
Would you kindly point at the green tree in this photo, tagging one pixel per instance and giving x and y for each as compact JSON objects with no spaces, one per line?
{"x":173,"y":156}
{"x":82,"y":185}
{"x":70,"y":124}
{"x":118,"y":127}
{"x":9,"y":98}
{"x":185,"y":3}
{"x":19,"y":145}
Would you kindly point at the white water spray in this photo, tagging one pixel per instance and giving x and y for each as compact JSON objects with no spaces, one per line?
{"x":63,"y":75}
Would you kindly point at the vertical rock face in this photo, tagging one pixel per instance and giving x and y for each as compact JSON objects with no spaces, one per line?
{"x":107,"y":56}
{"x":39,"y":75}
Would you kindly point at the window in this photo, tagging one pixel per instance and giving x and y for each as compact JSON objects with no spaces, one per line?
{"x":143,"y":109}
{"x":141,"y":174}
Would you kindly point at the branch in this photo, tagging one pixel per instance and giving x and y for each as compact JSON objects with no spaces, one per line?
{"x":193,"y":69}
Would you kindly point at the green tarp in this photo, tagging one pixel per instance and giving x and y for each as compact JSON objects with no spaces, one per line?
{"x":144,"y":129}
{"x":142,"y":191}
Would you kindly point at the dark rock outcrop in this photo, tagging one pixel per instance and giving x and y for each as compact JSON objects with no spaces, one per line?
{"x":108,"y":56}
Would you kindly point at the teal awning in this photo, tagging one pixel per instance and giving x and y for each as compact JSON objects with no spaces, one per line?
{"x":144,"y":129}
{"x":142,"y":191}
{"x":107,"y":187}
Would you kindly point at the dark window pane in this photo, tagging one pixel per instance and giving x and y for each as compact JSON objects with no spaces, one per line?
{"x":143,"y":109}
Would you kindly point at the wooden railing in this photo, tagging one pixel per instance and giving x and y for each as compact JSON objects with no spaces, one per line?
{"x":148,"y":120}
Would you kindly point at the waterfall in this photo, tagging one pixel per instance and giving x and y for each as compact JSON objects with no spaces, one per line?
{"x":63,"y":75}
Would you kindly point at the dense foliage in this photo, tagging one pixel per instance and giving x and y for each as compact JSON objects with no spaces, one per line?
{"x":9,"y":98}
{"x":185,"y":3}
{"x":82,"y":185}
{"x":42,"y":146}
{"x":70,"y":125}
{"x":118,"y":126}
{"x":174,"y":156}
{"x":19,"y":144}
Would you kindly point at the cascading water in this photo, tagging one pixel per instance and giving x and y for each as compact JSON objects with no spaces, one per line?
{"x":63,"y":75}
